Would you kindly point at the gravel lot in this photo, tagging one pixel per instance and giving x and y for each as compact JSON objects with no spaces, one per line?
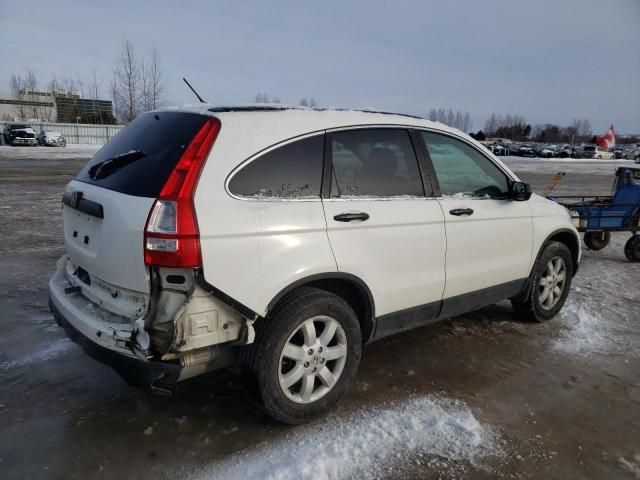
{"x":484,"y":395}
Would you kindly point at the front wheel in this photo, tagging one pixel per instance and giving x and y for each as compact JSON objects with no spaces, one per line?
{"x":597,"y":240}
{"x":632,"y":249}
{"x":306,"y":355}
{"x":550,"y":284}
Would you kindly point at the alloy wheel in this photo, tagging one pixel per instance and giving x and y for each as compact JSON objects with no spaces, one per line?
{"x":312,"y":359}
{"x":552,"y":283}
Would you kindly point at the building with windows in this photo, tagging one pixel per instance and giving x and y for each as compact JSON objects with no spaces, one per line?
{"x":31,"y":106}
{"x":61,"y":107}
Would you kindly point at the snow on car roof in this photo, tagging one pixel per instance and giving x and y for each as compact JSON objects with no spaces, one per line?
{"x":257,"y":107}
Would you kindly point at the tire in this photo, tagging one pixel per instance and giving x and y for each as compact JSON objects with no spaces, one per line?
{"x":632,"y":249}
{"x":597,"y":240}
{"x":543,"y":282}
{"x":286,"y":386}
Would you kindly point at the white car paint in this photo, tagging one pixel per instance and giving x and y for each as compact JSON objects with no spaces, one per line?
{"x":113,"y":251}
{"x":399,"y":252}
{"x":490,"y":247}
{"x":410,"y":252}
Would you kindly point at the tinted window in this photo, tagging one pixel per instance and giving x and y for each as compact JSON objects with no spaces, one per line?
{"x":162,"y":137}
{"x":291,"y":171}
{"x":374,"y":162}
{"x":461,"y":169}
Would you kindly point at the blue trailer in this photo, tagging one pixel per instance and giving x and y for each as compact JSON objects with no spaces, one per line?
{"x":597,"y":216}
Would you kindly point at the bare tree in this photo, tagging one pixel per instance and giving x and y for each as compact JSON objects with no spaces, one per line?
{"x":113,"y":90}
{"x":127,"y":83}
{"x":152,"y":86}
{"x":94,"y":87}
{"x":156,"y":80}
{"x":456,"y":119}
{"x":18,"y":87}
{"x":509,"y":126}
{"x":582,"y":128}
{"x":309,"y":102}
{"x":492,"y":124}
{"x":31,"y":95}
{"x":262,"y":98}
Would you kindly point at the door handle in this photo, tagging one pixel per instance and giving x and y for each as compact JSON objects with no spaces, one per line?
{"x":349,"y":217}
{"x":461,"y":211}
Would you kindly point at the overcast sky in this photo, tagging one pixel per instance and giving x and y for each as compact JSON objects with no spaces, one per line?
{"x":549,"y":60}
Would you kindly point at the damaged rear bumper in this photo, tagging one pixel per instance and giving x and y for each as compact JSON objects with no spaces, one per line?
{"x":105,"y":337}
{"x":135,"y":371}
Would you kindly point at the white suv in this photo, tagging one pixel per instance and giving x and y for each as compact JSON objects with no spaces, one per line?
{"x":284,"y":239}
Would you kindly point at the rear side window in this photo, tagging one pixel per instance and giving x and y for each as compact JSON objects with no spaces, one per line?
{"x":291,"y":171}
{"x":150,"y":146}
{"x":374,"y":162}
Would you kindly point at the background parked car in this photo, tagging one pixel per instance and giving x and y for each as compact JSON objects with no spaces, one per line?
{"x":565,"y":151}
{"x":523,"y":151}
{"x":594,"y":151}
{"x":53,"y":139}
{"x":20,"y":134}
{"x":499,"y":150}
{"x":545,"y":151}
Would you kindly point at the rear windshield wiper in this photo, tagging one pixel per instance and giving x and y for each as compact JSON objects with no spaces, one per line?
{"x":107,"y":167}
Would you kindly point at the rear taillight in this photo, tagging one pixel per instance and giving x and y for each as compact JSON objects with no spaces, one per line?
{"x":171,"y":237}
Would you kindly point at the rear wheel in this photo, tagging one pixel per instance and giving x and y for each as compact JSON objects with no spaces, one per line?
{"x":306,"y":356}
{"x":550,"y":284}
{"x":632,"y":249}
{"x":597,"y":240}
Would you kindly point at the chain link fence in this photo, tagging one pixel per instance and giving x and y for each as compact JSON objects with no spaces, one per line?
{"x":76,"y":133}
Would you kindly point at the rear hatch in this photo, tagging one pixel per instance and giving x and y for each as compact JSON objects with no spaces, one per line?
{"x":105,"y":208}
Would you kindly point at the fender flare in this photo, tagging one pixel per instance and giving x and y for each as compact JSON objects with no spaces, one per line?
{"x":370,"y":317}
{"x":527,"y":287}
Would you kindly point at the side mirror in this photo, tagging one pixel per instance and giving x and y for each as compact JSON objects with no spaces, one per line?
{"x":520,"y":191}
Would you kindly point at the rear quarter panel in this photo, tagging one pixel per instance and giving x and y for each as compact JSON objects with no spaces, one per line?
{"x":252,"y":249}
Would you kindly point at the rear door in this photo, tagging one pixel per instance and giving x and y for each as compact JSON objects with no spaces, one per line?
{"x":106,"y":206}
{"x":382,"y":225}
{"x":489,"y":236}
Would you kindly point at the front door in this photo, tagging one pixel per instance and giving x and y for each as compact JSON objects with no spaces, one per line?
{"x":489,"y":236}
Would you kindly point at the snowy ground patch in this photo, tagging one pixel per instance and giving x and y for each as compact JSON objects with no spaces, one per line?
{"x":583,"y":332}
{"x":71,"y":151}
{"x":552,"y":165}
{"x":368,"y":444}
{"x":51,"y":351}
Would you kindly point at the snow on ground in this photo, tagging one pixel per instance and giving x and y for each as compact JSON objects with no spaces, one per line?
{"x":569,"y":165}
{"x":583,"y":331}
{"x":70,"y":151}
{"x":378,"y":442}
{"x":564,"y":160}
{"x":50,"y":351}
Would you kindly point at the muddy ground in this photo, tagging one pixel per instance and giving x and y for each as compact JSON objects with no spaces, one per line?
{"x":484,"y":395}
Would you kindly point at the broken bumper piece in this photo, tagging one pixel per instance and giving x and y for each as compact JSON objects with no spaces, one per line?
{"x":107,"y":340}
{"x":133,"y":369}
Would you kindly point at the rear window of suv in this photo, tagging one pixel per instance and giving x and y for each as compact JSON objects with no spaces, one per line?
{"x":161,"y":138}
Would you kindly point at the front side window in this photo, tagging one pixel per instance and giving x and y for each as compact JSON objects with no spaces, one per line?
{"x":291,"y":171}
{"x":462,"y":170}
{"x":375,"y":162}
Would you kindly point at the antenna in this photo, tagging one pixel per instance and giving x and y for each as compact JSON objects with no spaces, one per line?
{"x":193,"y":90}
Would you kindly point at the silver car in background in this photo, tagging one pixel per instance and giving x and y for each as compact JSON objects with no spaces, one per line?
{"x":52,"y":139}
